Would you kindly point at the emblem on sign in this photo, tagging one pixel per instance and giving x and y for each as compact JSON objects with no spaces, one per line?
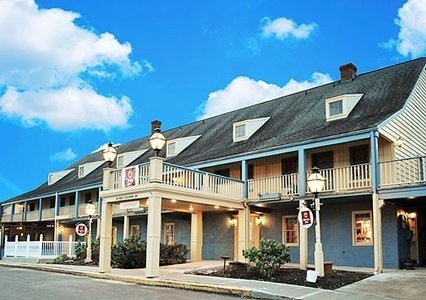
{"x":81,"y":229}
{"x":306,"y":218}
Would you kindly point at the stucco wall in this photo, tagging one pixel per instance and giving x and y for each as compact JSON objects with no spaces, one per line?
{"x":218,"y":236}
{"x":336,"y":234}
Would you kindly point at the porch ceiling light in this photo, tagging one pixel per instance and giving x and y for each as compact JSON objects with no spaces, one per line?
{"x":399,"y":142}
{"x":109,"y":154}
{"x":315,"y":181}
{"x":90,"y":209}
{"x":157,"y":141}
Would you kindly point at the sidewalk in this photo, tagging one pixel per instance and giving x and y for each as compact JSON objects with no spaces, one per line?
{"x":394,"y":284}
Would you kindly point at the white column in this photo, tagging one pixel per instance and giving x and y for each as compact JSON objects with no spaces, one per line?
{"x":153,"y":237}
{"x":243,"y":233}
{"x":377,"y":235}
{"x":105,"y":242}
{"x":126,"y":227}
{"x":318,"y":253}
{"x":303,"y":242}
{"x":98,"y":226}
{"x":196,"y":236}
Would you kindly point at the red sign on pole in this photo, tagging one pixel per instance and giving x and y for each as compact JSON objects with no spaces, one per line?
{"x":306,"y":218}
{"x":81,"y":229}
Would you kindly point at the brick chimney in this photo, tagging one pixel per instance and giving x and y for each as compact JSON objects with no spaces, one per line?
{"x":154,"y":125}
{"x":347,"y":72}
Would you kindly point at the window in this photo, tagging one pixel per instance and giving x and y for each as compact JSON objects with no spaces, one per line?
{"x":72,"y":200}
{"x":52,"y":203}
{"x":80,"y":171}
{"x":63,"y":200}
{"x":240,"y":131}
{"x":120,"y":161}
{"x":359,"y":157}
{"x":362,"y":231}
{"x":336,"y":108}
{"x":134,"y":230}
{"x":290,"y":231}
{"x":88,"y":198}
{"x":32,"y":206}
{"x":171,"y":149}
{"x":169,"y":233}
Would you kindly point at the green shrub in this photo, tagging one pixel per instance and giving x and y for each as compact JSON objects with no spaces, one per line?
{"x":129,"y":254}
{"x":81,"y":252}
{"x":268,"y":258}
{"x":173,"y":254}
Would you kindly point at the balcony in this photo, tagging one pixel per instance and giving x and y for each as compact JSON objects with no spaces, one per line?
{"x":32,"y":216}
{"x":181,"y":178}
{"x":48,"y":213}
{"x":349,"y":179}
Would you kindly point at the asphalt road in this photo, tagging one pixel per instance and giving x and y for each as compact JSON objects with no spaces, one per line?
{"x":32,"y":284}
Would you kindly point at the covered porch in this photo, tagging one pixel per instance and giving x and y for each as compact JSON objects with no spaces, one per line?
{"x":157,"y":187}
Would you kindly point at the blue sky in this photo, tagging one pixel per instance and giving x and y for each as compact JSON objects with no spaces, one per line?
{"x":75,"y":74}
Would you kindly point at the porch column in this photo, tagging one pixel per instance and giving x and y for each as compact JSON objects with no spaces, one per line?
{"x":40,"y":209}
{"x":303,"y":242}
{"x":25,"y":211}
{"x":243,"y":232}
{"x":107,"y":182}
{"x":98,"y":226}
{"x":244,"y":177}
{"x":125,"y":227}
{"x":153,"y":237}
{"x":302,"y":172}
{"x":196,"y":236}
{"x":105,"y":242}
{"x":76,"y":204}
{"x":377,"y":234}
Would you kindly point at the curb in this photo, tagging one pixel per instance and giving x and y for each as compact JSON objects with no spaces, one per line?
{"x":152,"y":282}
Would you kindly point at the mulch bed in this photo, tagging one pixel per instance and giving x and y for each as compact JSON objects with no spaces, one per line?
{"x":287,"y":275}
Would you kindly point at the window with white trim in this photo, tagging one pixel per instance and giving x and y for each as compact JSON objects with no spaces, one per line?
{"x":169,"y":233}
{"x":171,"y":149}
{"x":134,"y":230}
{"x":80,"y":171}
{"x":290,"y":231}
{"x":362,"y":228}
{"x":240,"y":131}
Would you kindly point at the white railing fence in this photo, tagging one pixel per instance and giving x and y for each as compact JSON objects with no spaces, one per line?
{"x":402,"y":171}
{"x":286,"y":185}
{"x":39,"y":249}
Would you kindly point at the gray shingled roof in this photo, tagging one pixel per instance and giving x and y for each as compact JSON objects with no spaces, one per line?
{"x":293,"y":119}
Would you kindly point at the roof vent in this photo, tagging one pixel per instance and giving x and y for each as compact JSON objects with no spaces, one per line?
{"x":347,"y":72}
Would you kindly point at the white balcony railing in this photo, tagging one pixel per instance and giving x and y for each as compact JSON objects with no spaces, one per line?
{"x":185,"y":178}
{"x":407,"y":171}
{"x":82,"y":209}
{"x":47,"y":213}
{"x":32,"y":215}
{"x":285,"y":185}
{"x":39,"y":249}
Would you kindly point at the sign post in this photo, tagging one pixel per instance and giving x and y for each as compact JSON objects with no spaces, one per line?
{"x":305,"y":217}
{"x":81,"y":229}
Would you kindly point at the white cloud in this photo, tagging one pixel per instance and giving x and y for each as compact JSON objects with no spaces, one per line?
{"x":63,"y":156}
{"x":44,"y":56}
{"x":282,"y":28}
{"x":412,"y":34}
{"x":244,"y":91}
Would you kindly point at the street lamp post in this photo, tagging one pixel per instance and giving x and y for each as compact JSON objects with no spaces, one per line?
{"x":109,"y":154}
{"x":90,"y":210}
{"x":157,"y":141}
{"x":316,"y":184}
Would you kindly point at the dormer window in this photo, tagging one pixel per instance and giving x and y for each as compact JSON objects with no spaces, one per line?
{"x":240,"y":131}
{"x":81,"y":171}
{"x":243,"y":130}
{"x":171,"y":149}
{"x":126,"y":158}
{"x":176,"y":146}
{"x":336,"y":108}
{"x":341,"y":106}
{"x":87,"y":168}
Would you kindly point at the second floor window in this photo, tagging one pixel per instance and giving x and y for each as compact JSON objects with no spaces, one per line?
{"x":240,"y":131}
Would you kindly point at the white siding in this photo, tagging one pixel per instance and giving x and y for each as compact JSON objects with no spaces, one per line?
{"x":410,"y":123}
